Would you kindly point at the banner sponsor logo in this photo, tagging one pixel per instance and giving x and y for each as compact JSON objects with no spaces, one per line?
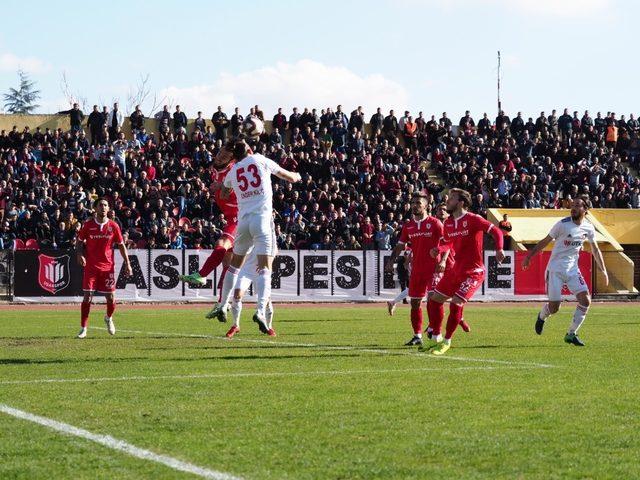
{"x":53,"y":273}
{"x":304,"y":275}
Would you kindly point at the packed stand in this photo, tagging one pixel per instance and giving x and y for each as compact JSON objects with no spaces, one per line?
{"x":356,"y":185}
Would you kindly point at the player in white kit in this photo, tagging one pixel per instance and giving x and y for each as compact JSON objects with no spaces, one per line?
{"x":569,"y":234}
{"x":250,"y":180}
{"x":246,"y":277}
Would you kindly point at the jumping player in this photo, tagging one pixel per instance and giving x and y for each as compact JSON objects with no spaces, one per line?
{"x":229,"y":207}
{"x":463,"y":233}
{"x":94,"y":252}
{"x":250,"y":180}
{"x":423,"y":232}
{"x":569,"y":234}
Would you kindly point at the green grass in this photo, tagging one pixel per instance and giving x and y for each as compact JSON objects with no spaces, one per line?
{"x":321,"y":412}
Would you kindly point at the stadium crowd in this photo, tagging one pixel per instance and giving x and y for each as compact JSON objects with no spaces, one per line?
{"x":356,"y":184}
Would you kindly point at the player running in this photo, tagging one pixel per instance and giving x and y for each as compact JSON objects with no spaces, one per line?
{"x":229,"y":207}
{"x":463,"y":232}
{"x":246,"y":277}
{"x":250,"y":179}
{"x":423,"y":232}
{"x":569,"y":234}
{"x":94,"y":252}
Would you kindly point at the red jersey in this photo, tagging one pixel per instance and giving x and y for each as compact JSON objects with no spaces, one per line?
{"x":423,"y":235}
{"x":229,"y":205}
{"x":464,"y":236}
{"x":99,"y":241}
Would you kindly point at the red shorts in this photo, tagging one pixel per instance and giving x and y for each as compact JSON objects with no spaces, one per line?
{"x":229,"y":231}
{"x":101,"y":281}
{"x":460,"y":284}
{"x":422,"y":282}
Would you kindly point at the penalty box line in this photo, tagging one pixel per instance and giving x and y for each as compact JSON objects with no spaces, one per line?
{"x":343,"y":348}
{"x":206,"y":376}
{"x":116,"y":444}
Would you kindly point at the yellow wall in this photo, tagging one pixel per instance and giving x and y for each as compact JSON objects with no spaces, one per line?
{"x":623,"y":224}
{"x":62,"y":121}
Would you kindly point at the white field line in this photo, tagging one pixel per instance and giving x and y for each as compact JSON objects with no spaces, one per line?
{"x":119,"y":445}
{"x":346,"y":347}
{"x":311,"y":373}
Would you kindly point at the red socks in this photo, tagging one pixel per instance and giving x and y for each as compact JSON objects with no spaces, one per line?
{"x":213,"y":261}
{"x":455,"y":315}
{"x":111,"y":307}
{"x":435,"y":311}
{"x":85,"y":308}
{"x":416,"y":320}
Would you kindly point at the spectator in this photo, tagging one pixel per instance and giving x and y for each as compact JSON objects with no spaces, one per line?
{"x":505,"y":226}
{"x":114,"y":122}
{"x":75,"y":117}
{"x":179,"y":121}
{"x":236,"y":122}
{"x":137,"y":120}
{"x":220,"y":124}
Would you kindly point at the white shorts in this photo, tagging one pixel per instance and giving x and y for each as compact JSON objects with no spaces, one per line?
{"x":557,"y":280}
{"x":255,"y":231}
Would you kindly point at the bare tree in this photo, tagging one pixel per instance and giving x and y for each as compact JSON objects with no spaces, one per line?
{"x":72,"y":96}
{"x":140,"y":94}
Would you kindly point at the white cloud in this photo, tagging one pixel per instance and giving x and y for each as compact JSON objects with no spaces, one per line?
{"x":306,"y":83}
{"x":12,"y":63}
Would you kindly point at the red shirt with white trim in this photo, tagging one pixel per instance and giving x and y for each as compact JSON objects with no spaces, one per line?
{"x":229,"y":205}
{"x":464,"y":236}
{"x":422,"y":236}
{"x":99,"y":240}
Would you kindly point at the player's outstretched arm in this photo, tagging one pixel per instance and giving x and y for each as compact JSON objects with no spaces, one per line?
{"x":541,"y":245}
{"x":292,"y":177}
{"x":125,"y":257}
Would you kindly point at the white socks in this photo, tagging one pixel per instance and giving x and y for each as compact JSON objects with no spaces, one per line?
{"x":229,"y":284}
{"x":263,"y":291}
{"x":236,"y":310}
{"x":578,"y":317}
{"x":269,"y":313}
{"x":545,"y":313}
{"x":401,"y":296}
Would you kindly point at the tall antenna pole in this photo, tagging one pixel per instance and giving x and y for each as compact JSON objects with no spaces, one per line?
{"x":499,"y":102}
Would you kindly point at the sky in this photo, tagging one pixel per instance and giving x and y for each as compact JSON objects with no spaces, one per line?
{"x":420,"y":55}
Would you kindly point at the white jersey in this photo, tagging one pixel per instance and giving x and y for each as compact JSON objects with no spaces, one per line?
{"x":250,"y":179}
{"x":569,"y":239}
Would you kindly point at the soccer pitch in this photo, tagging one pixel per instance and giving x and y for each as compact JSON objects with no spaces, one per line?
{"x":334,"y":396}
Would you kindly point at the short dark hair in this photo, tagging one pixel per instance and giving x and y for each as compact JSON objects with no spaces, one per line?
{"x":585,"y":200}
{"x":423,"y":195}
{"x":98,"y":200}
{"x":240,"y":149}
{"x":462,"y":195}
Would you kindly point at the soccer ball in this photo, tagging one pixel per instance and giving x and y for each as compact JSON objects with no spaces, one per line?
{"x":253,"y":127}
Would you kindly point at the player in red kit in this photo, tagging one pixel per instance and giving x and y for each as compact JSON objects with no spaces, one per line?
{"x":94,"y":250}
{"x":423,"y":233}
{"x":223,"y":247}
{"x":463,"y":233}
